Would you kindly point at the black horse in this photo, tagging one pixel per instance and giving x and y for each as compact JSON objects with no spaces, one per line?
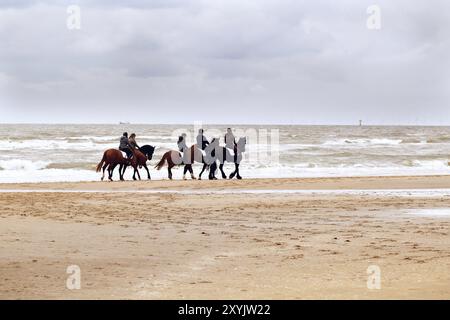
{"x":223,"y":155}
{"x":142,"y":155}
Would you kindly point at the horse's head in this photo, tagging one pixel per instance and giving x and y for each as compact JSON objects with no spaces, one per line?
{"x":148,"y":151}
{"x":215,"y":141}
{"x":241,"y":144}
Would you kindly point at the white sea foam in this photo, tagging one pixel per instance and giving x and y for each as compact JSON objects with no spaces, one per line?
{"x":38,"y":172}
{"x":363,"y":142}
{"x":53,"y":144}
{"x":47,"y":175}
{"x":19,"y":164}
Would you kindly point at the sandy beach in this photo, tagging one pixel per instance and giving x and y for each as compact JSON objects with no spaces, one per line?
{"x":305,"y":238}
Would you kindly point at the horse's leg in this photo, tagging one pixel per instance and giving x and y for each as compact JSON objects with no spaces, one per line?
{"x":224,"y":176}
{"x":201,"y":172}
{"x":184,"y":171}
{"x":212,"y":171}
{"x":124,"y":167}
{"x":104,"y":168}
{"x":191,"y":171}
{"x":134,"y":173}
{"x":234,"y":172}
{"x":169,"y":170}
{"x":148,"y":172}
{"x":112,"y":171}
{"x":237,"y":172}
{"x":137,"y":170}
{"x":123,"y":172}
{"x":109,"y":172}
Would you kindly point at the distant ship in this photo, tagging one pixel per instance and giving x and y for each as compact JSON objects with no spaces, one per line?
{"x":123,"y":122}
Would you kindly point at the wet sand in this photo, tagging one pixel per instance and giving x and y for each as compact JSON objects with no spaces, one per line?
{"x":271,"y":245}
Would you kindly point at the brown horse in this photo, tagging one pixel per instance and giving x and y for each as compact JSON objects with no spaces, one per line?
{"x":174,"y":158}
{"x":142,"y":155}
{"x":112,"y":158}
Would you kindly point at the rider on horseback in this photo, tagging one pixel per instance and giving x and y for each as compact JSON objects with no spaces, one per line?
{"x":202,"y":142}
{"x":182,"y":143}
{"x":125,"y":145}
{"x":230,"y":140}
{"x":132,"y":141}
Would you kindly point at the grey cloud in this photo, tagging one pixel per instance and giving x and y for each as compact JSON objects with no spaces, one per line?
{"x":271,"y":61}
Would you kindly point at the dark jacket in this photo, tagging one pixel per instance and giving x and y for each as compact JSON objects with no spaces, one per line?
{"x":202,"y":142}
{"x":124,"y":143}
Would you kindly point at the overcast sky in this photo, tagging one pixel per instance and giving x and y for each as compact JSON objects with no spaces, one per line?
{"x":225,"y":61}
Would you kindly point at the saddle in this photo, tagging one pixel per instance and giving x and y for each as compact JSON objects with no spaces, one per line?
{"x":123,"y":154}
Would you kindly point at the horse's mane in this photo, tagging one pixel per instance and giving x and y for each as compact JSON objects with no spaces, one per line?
{"x":147,"y":149}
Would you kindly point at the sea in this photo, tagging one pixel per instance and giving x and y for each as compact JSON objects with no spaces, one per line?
{"x":70,"y":152}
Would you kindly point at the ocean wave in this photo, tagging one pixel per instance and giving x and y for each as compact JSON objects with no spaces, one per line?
{"x":59,"y":144}
{"x":413,"y":141}
{"x":143,"y":138}
{"x":441,"y":139}
{"x":363,"y":142}
{"x":42,"y":172}
{"x":72,"y":165}
{"x":38,"y":144}
{"x":19,"y":164}
{"x":438,"y":163}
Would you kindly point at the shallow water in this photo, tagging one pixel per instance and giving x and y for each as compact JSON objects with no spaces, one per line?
{"x":419,"y":193}
{"x":434,"y":212}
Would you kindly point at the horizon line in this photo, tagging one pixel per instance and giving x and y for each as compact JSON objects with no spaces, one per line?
{"x":225,"y":124}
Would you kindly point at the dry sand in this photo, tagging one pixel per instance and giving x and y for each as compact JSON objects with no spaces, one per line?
{"x":220,"y":246}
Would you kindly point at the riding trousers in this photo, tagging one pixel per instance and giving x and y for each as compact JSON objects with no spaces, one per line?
{"x":127,"y":151}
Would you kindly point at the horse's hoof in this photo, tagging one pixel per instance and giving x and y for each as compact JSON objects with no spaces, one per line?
{"x":199,"y":178}
{"x":224,"y":176}
{"x":239,"y":177}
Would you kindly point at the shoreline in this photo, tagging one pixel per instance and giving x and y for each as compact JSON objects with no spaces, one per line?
{"x":317,"y":183}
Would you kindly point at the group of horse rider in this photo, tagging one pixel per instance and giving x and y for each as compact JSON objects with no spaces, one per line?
{"x":127,"y":144}
{"x":203,"y":143}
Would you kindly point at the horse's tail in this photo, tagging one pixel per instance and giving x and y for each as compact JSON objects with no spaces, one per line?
{"x":99,"y":166}
{"x":162,"y":162}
